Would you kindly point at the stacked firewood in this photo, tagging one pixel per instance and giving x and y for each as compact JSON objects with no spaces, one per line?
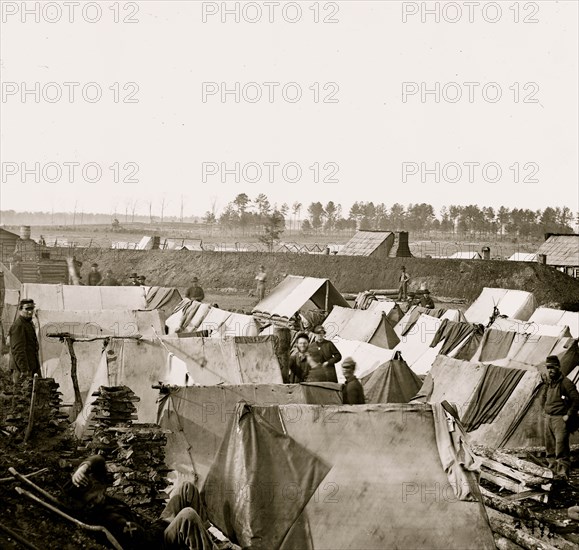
{"x":48,"y":419}
{"x":521,"y":477}
{"x":516,"y":479}
{"x":138,"y":463}
{"x":113,"y":408}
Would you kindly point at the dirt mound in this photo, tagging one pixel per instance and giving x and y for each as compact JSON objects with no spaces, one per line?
{"x":451,"y":278}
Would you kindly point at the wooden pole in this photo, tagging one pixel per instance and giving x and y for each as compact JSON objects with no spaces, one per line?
{"x":18,"y":538}
{"x":94,"y":528}
{"x":327,"y":308}
{"x":77,"y":407}
{"x":31,"y":411}
{"x":502,"y":524}
{"x":44,"y":493}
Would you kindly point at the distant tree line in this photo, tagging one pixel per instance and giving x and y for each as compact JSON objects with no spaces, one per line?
{"x":247,"y":215}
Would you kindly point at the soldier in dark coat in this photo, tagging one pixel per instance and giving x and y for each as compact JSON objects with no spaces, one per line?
{"x":24,"y":359}
{"x":560,"y":402}
{"x":298,"y":362}
{"x":195,"y":292}
{"x":95,"y":276}
{"x":328,"y":351}
{"x":352,"y":391}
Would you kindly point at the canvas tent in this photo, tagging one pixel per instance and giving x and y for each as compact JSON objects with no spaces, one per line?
{"x":390,"y":308}
{"x":362,"y":325}
{"x":529,"y":327}
{"x":84,"y":298}
{"x":200,"y":413}
{"x":136,"y":364}
{"x":235,"y":360}
{"x":417,"y":340}
{"x":523,"y":257}
{"x":193,"y":316}
{"x":85,"y":325}
{"x":164,"y":299}
{"x":517,"y":304}
{"x":369,"y":467}
{"x":412,"y":315}
{"x":504,"y":401}
{"x":293,"y":293}
{"x":549,"y":316}
{"x":465,"y":256}
{"x":392,"y":382}
{"x":367,"y":356}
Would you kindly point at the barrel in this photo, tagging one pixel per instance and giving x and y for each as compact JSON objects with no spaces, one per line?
{"x":25,"y":232}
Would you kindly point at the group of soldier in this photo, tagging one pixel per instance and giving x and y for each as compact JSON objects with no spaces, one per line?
{"x":95,"y":278}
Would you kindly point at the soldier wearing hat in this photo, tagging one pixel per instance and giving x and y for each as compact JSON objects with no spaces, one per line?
{"x":352,"y":391}
{"x":24,"y":359}
{"x":328,"y":351}
{"x":560,"y":405}
{"x":141,"y":279}
{"x":195,"y":292}
{"x":94,"y":277}
{"x":298,"y":366}
{"x":134,"y":280}
{"x":426,"y":300}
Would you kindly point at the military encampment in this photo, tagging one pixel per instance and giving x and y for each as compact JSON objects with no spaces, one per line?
{"x":319,"y":416}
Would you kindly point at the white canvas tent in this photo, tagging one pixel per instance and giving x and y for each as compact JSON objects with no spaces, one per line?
{"x":549,"y":316}
{"x":517,"y":304}
{"x":367,"y":356}
{"x":523,"y":257}
{"x":84,"y":298}
{"x":361,"y":324}
{"x":293,"y":293}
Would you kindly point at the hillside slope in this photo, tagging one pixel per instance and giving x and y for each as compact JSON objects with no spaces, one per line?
{"x":449,"y":278}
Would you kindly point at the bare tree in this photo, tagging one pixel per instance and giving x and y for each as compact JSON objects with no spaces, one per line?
{"x":151,"y":211}
{"x":163,"y":202}
{"x":133,"y":208}
{"x":296,"y":209}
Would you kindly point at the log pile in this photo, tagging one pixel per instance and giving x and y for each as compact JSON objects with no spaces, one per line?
{"x":514,"y":525}
{"x":138,"y":464}
{"x":47,"y":420}
{"x":113,"y":408}
{"x":521,"y":477}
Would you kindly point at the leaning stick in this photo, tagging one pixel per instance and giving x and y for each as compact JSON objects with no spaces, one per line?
{"x":44,"y":493}
{"x":94,"y":528}
{"x":18,"y":538}
{"x":11,"y":478}
{"x":31,"y":413}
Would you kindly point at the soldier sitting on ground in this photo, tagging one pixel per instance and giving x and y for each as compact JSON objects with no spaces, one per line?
{"x":182,"y":524}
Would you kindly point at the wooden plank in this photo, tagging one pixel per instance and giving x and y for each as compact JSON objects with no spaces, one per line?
{"x":513,"y":461}
{"x":504,"y":482}
{"x":526,"y":479}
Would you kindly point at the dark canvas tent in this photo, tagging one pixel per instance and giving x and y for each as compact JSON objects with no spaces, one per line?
{"x":293,"y":293}
{"x":500,"y":405}
{"x":392,"y":382}
{"x":199,"y":415}
{"x":365,"y":477}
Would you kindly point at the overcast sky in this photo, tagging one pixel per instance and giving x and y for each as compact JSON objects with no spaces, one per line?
{"x":367,"y":133}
